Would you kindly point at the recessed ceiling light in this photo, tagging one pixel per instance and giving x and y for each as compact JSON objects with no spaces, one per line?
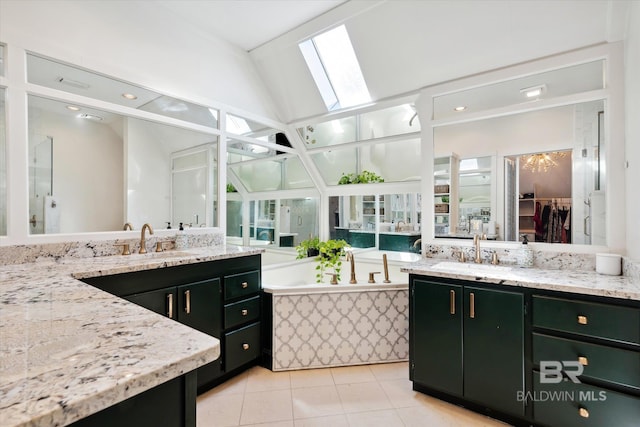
{"x":533,"y":91}
{"x":73,"y":108}
{"x":460,"y":108}
{"x":129,"y":96}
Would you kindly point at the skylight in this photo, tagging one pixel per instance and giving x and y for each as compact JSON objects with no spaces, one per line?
{"x":335,"y":69}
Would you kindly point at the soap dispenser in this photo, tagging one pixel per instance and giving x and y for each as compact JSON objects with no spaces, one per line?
{"x":526,"y":253}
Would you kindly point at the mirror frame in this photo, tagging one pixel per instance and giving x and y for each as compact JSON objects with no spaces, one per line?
{"x":612,"y":95}
{"x":17,"y":210}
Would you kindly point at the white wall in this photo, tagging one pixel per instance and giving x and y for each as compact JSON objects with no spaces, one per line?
{"x":632,"y":144}
{"x":537,"y":131}
{"x":148,"y":176}
{"x":138,"y":42}
{"x":87,"y":171}
{"x":403,"y":46}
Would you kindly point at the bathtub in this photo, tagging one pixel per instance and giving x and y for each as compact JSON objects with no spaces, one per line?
{"x":316,"y":325}
{"x":281,"y":271}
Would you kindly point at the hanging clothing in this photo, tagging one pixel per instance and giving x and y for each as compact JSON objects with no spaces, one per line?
{"x":537,"y":221}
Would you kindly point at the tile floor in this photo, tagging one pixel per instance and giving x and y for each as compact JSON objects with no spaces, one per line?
{"x":368,"y":396}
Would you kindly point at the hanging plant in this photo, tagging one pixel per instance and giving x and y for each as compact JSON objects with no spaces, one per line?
{"x":364,"y":177}
{"x":231,"y":188}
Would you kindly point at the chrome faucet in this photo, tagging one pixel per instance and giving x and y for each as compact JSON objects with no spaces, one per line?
{"x":143,"y":249}
{"x":352,"y":259}
{"x":417,"y":243}
{"x":127,"y":226}
{"x":398,"y":227}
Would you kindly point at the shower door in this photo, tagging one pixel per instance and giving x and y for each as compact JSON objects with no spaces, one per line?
{"x":40,"y":181}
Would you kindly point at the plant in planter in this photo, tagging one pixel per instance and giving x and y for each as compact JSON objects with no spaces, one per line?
{"x":365,"y":177}
{"x":308,"y":248}
{"x":331,"y":253}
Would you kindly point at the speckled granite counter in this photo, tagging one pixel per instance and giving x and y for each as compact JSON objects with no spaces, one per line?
{"x":68,"y":350}
{"x":576,"y":281}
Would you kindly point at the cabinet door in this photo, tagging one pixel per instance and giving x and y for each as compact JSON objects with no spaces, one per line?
{"x":436,"y":335}
{"x":162,"y":301}
{"x":494,"y":348}
{"x":200,"y":306}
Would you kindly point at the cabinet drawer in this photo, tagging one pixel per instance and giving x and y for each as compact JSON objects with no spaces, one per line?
{"x":239,"y":285}
{"x":242,"y":346}
{"x":587,"y":318}
{"x":241,"y":312}
{"x":599,"y":361}
{"x":567,"y":404}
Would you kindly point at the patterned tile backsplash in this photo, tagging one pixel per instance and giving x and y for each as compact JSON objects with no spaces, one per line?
{"x":340,"y":329}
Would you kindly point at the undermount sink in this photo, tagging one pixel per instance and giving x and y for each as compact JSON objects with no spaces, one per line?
{"x":469,"y":267}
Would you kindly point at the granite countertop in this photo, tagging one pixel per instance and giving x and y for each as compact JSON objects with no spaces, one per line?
{"x":575,"y":281}
{"x":68,"y":350}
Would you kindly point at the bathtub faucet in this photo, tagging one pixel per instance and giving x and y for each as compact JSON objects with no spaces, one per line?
{"x":352,"y":259}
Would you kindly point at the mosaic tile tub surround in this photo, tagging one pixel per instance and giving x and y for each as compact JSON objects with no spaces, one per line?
{"x":340,"y":328}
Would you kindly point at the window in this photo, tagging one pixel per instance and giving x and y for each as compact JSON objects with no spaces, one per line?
{"x":335,"y":69}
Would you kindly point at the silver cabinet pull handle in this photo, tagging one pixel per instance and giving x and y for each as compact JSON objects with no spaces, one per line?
{"x":245,"y":346}
{"x":187,"y":302}
{"x":170,"y":306}
{"x":244,"y":311}
{"x":245,"y":285}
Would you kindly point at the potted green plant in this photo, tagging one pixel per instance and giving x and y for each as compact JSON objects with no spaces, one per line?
{"x":308,"y":248}
{"x":331,"y":253}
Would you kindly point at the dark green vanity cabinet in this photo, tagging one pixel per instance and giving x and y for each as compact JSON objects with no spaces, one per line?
{"x":467,"y":342}
{"x":513,"y":352}
{"x":172,"y":403}
{"x":603,"y":337}
{"x":189,"y":304}
{"x":220,"y":298}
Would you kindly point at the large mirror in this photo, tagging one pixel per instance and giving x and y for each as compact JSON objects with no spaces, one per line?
{"x":3,"y":165}
{"x":390,"y":222}
{"x":91,"y":170}
{"x":280,"y":223}
{"x":538,"y":173}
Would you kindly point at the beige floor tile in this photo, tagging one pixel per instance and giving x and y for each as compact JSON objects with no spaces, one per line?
{"x":391,"y":371}
{"x":352,"y":374}
{"x":311,"y":378}
{"x":266,"y":407}
{"x":332,"y":421}
{"x":235,"y":385}
{"x":218,"y":410}
{"x":444,"y":415}
{"x":387,"y":418}
{"x":276,"y":424}
{"x":313,"y":402}
{"x":401,"y":394}
{"x":261,"y":379}
{"x":360,"y":397}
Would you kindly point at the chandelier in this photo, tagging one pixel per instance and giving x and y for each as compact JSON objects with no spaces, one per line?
{"x":541,"y":162}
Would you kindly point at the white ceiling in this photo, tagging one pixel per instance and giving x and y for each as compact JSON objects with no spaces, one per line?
{"x":248,"y":23}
